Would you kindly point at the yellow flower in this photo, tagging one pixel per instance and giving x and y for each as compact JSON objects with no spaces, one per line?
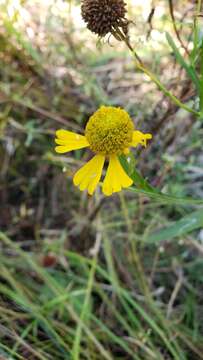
{"x":108,"y":133}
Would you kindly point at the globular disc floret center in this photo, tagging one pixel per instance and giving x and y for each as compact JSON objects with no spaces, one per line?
{"x":109,"y":130}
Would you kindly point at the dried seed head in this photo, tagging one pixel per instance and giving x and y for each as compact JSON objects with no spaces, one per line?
{"x":104,"y":16}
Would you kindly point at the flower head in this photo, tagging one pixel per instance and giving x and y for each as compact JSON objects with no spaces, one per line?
{"x":108,"y":133}
{"x":104,"y":16}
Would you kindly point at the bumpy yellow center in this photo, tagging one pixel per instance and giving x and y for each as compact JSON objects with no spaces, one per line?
{"x":109,"y":130}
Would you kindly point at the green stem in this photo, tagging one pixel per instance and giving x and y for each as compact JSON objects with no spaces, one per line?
{"x":90,"y":284}
{"x":143,"y":285}
{"x":199,"y":6}
{"x":196,"y":38}
{"x":139,"y":64}
{"x":195,"y":41}
{"x":198,"y":53}
{"x":201,"y":79}
{"x":153,"y":77}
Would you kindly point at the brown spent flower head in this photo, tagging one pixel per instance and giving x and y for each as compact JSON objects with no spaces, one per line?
{"x":104,"y":16}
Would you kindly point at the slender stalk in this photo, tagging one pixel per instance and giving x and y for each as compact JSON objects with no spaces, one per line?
{"x":139,"y":64}
{"x":78,"y":335}
{"x":175,"y":27}
{"x":90,"y":284}
{"x":140,"y":271}
{"x":196,"y":30}
{"x":195,"y":41}
{"x":199,"y":6}
{"x":153,"y":77}
{"x":201,"y":79}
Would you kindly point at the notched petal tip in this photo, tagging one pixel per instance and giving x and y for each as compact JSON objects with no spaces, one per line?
{"x":140,"y":138}
{"x":68,"y":141}
{"x":116,"y":178}
{"x":59,"y":131}
{"x":88,"y":177}
{"x":60,"y":149}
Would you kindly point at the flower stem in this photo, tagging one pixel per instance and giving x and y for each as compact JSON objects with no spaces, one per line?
{"x":153,"y":77}
{"x":139,"y":64}
{"x":196,"y":40}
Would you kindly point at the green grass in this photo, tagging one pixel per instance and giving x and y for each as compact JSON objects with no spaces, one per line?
{"x":51,"y":303}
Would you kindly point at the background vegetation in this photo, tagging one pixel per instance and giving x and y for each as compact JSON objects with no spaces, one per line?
{"x":92,"y":277}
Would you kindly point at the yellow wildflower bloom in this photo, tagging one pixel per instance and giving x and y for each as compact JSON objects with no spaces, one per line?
{"x":108,"y":133}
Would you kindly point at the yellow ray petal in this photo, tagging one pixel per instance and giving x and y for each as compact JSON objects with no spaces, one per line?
{"x":67,"y":135}
{"x":69,"y":141}
{"x":140,"y":138}
{"x":116,"y":178}
{"x":89,"y":175}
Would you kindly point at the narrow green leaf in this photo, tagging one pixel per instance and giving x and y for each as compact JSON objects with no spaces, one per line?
{"x":165,"y":198}
{"x":188,"y":68}
{"x":143,"y":187}
{"x":137,"y":178}
{"x":187,"y":224}
{"x":201,"y":78}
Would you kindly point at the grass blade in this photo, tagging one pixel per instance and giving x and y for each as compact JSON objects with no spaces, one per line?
{"x":190,"y":70}
{"x":181,"y":227}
